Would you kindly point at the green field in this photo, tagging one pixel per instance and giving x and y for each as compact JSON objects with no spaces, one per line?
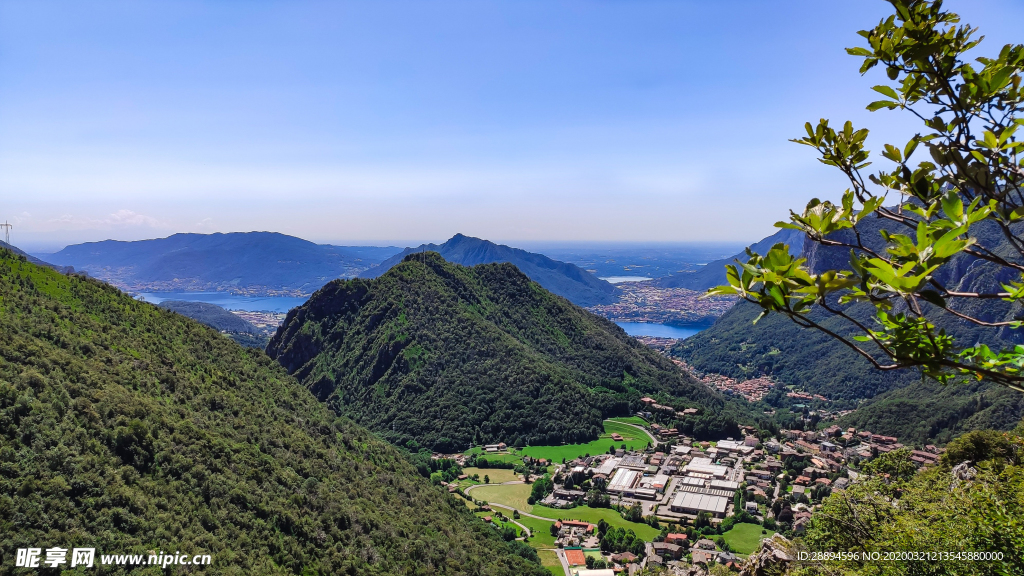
{"x":497,"y":522}
{"x":634,"y":439}
{"x":630,"y":420}
{"x":540,"y":530}
{"x":511,"y":456}
{"x":593,"y":515}
{"x":549,"y":559}
{"x":497,"y":475}
{"x":595,"y":554}
{"x":744,"y":538}
{"x":514,"y":495}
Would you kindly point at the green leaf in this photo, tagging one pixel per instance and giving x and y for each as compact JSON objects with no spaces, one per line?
{"x":953,"y":206}
{"x":879,"y":104}
{"x":886,"y":91}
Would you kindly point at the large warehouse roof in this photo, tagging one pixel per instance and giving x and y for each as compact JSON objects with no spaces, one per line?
{"x":624,"y":479}
{"x":704,"y":466}
{"x":700,"y":502}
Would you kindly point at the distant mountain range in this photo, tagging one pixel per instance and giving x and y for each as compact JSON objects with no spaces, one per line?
{"x":567,"y":280}
{"x":247,"y":262}
{"x":438,"y":355}
{"x":713,"y":273}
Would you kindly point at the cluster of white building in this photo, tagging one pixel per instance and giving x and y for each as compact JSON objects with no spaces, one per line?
{"x":704,"y":486}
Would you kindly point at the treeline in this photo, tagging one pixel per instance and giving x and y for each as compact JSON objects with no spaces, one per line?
{"x":128,"y":428}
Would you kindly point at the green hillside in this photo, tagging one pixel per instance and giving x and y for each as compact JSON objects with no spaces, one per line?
{"x":971,"y":502}
{"x":442,"y":356}
{"x":129,"y":428}
{"x":897,"y":402}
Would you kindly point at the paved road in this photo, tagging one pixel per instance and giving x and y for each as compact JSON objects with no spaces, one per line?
{"x":738,"y":470}
{"x":526,"y":530}
{"x":565,"y":563}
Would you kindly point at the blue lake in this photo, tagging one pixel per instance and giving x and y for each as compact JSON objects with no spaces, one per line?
{"x":228,"y":301}
{"x":286,"y":303}
{"x":658,"y":330}
{"x":621,"y":279}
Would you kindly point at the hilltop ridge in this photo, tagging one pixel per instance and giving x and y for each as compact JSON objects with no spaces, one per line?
{"x":567,"y":280}
{"x":713,"y":273}
{"x":440,"y":355}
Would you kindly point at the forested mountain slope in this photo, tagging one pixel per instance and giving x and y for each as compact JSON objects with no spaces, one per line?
{"x":440,"y":355}
{"x":900,"y":404}
{"x":34,"y":260}
{"x":128,"y":428}
{"x":212,"y":315}
{"x":253,"y":261}
{"x":567,"y":280}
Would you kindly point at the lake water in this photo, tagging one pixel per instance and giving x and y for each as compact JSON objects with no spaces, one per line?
{"x":620,"y":279}
{"x":658,"y":330}
{"x":286,"y":303}
{"x":228,"y":301}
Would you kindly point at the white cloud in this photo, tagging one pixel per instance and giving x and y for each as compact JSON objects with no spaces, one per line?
{"x":120,"y":219}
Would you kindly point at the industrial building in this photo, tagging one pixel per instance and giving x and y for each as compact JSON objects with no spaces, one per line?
{"x":695,"y":503}
{"x":624,"y":480}
{"x":702,"y":467}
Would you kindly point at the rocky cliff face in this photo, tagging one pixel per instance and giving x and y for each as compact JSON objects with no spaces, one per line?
{"x":963,"y":273}
{"x":771,"y":559}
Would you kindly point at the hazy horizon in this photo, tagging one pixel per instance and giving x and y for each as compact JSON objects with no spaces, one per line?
{"x":43,"y":248}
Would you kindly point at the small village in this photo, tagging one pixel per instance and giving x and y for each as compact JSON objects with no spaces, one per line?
{"x":642,"y":302}
{"x":698,"y":496}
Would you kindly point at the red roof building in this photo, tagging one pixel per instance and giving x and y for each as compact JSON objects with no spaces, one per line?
{"x":676,"y":539}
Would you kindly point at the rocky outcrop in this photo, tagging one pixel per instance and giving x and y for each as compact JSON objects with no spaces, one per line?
{"x":771,"y":559}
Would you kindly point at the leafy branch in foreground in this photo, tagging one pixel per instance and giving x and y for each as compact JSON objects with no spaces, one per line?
{"x":971,"y":183}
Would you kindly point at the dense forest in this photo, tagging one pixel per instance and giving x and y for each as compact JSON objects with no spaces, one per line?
{"x":442,"y":356}
{"x":129,"y":428}
{"x":898,"y":402}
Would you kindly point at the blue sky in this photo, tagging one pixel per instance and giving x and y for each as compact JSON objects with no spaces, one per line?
{"x":366,"y":122}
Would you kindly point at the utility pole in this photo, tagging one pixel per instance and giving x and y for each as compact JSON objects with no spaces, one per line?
{"x":7,"y":232}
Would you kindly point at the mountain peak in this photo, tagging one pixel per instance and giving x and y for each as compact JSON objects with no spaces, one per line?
{"x":566,"y":280}
{"x":448,"y":354}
